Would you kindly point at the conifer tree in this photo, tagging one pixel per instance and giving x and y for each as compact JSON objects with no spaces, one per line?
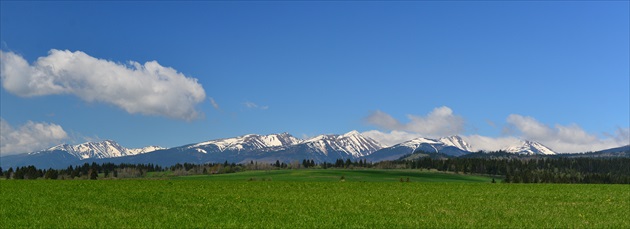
{"x":9,"y":173}
{"x":93,"y":174}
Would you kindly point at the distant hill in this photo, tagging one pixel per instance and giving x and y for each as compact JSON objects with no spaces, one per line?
{"x":623,"y":151}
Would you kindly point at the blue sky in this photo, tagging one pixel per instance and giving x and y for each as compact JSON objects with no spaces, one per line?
{"x":494,"y":72}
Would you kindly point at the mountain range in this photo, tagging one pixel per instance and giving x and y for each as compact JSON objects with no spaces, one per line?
{"x":252,"y":147}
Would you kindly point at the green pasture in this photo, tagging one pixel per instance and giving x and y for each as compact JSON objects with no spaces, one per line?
{"x":229,"y":201}
{"x":335,"y":175}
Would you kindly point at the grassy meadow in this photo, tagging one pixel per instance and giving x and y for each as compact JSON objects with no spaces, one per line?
{"x":310,"y":198}
{"x":335,"y":175}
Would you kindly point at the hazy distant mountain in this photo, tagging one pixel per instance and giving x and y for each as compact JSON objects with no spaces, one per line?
{"x":623,"y":151}
{"x":452,"y":146}
{"x":64,"y":155}
{"x":530,"y":148}
{"x":616,"y":150}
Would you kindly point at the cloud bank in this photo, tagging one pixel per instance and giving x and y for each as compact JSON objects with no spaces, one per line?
{"x":442,"y":122}
{"x":569,"y":138}
{"x":391,"y":138}
{"x":439,"y":122}
{"x":148,"y":89}
{"x":29,"y":137}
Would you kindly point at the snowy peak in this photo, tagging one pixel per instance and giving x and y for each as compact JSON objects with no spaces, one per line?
{"x":351,"y":134}
{"x":453,"y":145}
{"x":415,"y":143}
{"x":250,"y":142}
{"x":144,"y":150}
{"x":103,"y":149}
{"x":453,"y":141}
{"x":456,"y":141}
{"x":352,"y":143}
{"x":530,"y":148}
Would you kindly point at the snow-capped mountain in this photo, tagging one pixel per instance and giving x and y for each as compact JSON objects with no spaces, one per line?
{"x":324,"y":148}
{"x":352,"y":143}
{"x":264,"y":148}
{"x":64,"y":155}
{"x":104,"y":149}
{"x":530,"y":148}
{"x":246,"y":143}
{"x":250,"y":147}
{"x":453,"y":146}
{"x":253,"y":147}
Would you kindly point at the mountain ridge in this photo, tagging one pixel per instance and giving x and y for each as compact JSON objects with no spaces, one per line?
{"x":101,"y":149}
{"x":254,"y":147}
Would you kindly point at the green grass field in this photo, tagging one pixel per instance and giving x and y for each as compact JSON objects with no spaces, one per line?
{"x":334,"y":175}
{"x":229,"y":201}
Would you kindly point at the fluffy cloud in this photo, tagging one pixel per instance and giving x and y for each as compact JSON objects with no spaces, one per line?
{"x":149,"y":89}
{"x":439,"y":122}
{"x":477,"y":142}
{"x":391,"y":138}
{"x":442,"y":122}
{"x":29,"y":137}
{"x":485,"y":143}
{"x":570,"y":139}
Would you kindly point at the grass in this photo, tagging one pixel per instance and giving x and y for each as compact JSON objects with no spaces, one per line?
{"x":334,"y":175}
{"x":235,"y":203}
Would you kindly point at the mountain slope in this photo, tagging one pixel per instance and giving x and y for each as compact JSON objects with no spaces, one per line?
{"x":452,"y":146}
{"x":352,"y":143}
{"x":616,"y":150}
{"x":458,"y":142}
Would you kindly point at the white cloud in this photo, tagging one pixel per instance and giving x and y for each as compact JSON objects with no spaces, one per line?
{"x":477,"y":142}
{"x":485,"y":143}
{"x":566,"y":139}
{"x":439,"y":122}
{"x":251,"y":105}
{"x":149,"y":89}
{"x":391,"y":138}
{"x":29,"y":137}
{"x":214,"y":104}
{"x":442,"y":122}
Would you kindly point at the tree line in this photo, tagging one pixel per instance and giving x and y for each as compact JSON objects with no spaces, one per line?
{"x":533,"y":169}
{"x":512,"y":170}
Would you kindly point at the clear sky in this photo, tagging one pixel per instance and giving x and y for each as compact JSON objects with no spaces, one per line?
{"x":173,"y":73}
